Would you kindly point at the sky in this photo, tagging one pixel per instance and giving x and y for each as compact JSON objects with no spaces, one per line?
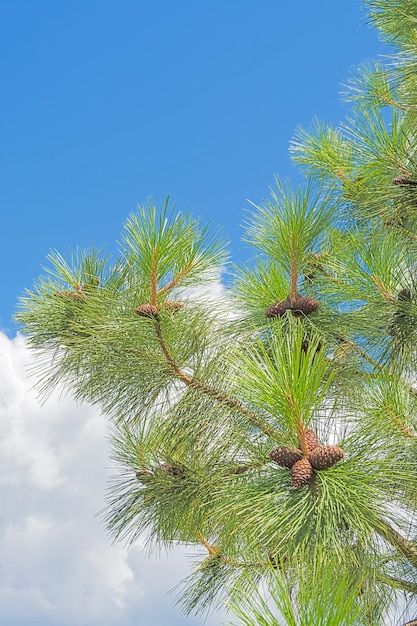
{"x":103,"y":104}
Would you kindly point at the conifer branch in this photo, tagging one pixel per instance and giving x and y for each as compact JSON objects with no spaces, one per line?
{"x":174,"y":282}
{"x":212,"y":392}
{"x":294,"y":269}
{"x":360,"y":351}
{"x":212,"y":550}
{"x":396,"y":420}
{"x":154,"y":278}
{"x":382,"y":289}
{"x":359,"y":208}
{"x":400,"y":543}
{"x":390,"y":101}
{"x":215,"y":553}
{"x":299,"y":425}
{"x":302,"y":440}
{"x":399,"y":583}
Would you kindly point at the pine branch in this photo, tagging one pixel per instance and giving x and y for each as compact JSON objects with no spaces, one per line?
{"x":294,"y":269}
{"x":212,"y":392}
{"x":215,"y":553}
{"x":174,"y":282}
{"x":299,"y":425}
{"x":154,"y":278}
{"x":400,"y":543}
{"x":399,"y":583}
{"x":360,"y":351}
{"x":396,"y":420}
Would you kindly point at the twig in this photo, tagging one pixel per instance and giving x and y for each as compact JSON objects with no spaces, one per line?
{"x":212,"y":392}
{"x":174,"y":282}
{"x":359,"y":350}
{"x":294,"y":271}
{"x":396,"y":420}
{"x":154,"y":278}
{"x":406,"y":585}
{"x":400,"y":543}
{"x":215,"y":553}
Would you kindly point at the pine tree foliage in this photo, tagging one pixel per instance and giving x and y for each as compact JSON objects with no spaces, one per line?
{"x":273,"y":429}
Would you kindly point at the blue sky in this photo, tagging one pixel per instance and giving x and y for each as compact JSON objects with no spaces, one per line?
{"x":104,"y":104}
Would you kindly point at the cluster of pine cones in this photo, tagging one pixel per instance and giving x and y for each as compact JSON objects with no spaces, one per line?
{"x":150,"y":310}
{"x":318,"y":458}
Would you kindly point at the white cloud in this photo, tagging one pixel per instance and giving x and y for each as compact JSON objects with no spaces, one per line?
{"x":57,"y":565}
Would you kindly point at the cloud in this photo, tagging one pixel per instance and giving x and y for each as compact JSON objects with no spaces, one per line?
{"x":57,"y":565}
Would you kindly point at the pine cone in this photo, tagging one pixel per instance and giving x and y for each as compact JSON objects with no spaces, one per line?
{"x":147,"y":310}
{"x":304,"y":305}
{"x":301,"y":473}
{"x":312,"y":439}
{"x":277,"y":561}
{"x":241,"y":469}
{"x":144,"y":475}
{"x":404,"y":295}
{"x":278,"y":309}
{"x":403,"y":180}
{"x":305,"y":344}
{"x":171,"y":305}
{"x":72,"y":295}
{"x":285,"y":456}
{"x":324,"y":457}
{"x":172,"y":470}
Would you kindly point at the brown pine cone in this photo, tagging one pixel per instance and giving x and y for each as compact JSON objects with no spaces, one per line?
{"x":312,"y":439}
{"x":324,"y":457}
{"x":285,"y":456}
{"x":241,"y":469}
{"x":304,"y":305}
{"x":403,"y":180}
{"x":72,"y":295}
{"x":144,"y":475}
{"x":173,"y":306}
{"x":301,"y":473}
{"x":278,"y":309}
{"x":172,"y":470}
{"x":305,"y":345}
{"x":147,"y":310}
{"x":404,"y":295}
{"x":277,"y":561}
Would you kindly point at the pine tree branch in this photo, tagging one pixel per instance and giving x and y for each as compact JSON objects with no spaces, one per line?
{"x":360,"y":351}
{"x":154,"y":278}
{"x":400,"y":543}
{"x":294,"y":269}
{"x":299,"y":425}
{"x":390,"y":101}
{"x":212,"y":392}
{"x":212,"y":550}
{"x":214,"y":553}
{"x":396,"y":420}
{"x":383,"y":290}
{"x":242,"y":469}
{"x":174,"y":282}
{"x":399,"y":583}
